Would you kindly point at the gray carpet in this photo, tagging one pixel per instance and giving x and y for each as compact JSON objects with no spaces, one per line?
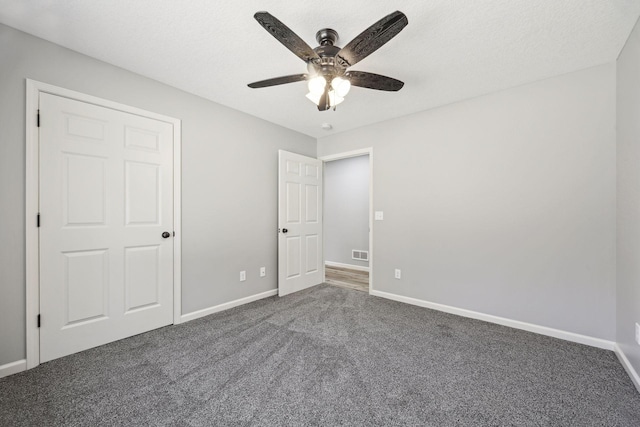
{"x":327,"y":356}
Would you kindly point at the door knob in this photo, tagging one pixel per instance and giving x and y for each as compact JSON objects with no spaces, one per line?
{"x":284,"y":230}
{"x":166,"y":235}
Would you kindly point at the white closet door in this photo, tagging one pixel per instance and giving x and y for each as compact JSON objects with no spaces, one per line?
{"x":106,"y":198}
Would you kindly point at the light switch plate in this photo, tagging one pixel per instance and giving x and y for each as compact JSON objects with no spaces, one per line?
{"x":379,"y":216}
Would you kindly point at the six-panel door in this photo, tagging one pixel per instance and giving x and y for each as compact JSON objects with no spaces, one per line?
{"x":106,"y":186}
{"x":300,"y":214}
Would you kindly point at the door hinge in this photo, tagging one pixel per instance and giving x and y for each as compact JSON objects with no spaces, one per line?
{"x":38,"y":320}
{"x":38,"y":119}
{"x":38,"y":220}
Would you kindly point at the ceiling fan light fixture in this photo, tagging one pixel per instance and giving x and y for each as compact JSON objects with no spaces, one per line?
{"x":316,"y":85}
{"x":341,"y":86}
{"x":334,"y":99}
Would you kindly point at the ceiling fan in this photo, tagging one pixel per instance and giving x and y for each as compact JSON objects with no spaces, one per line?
{"x":328,"y":78}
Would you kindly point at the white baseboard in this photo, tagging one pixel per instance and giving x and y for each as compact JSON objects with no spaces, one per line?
{"x":13,"y":368}
{"x":627,"y":366}
{"x":343,"y":265}
{"x":543,"y":330}
{"x":227,"y":305}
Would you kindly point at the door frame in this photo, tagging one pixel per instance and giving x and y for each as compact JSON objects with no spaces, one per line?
{"x":32,"y":193}
{"x":345,"y":155}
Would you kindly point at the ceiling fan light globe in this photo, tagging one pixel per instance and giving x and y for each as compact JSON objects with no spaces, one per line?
{"x":314,"y":97}
{"x":341,"y":86}
{"x":316,"y":85}
{"x":334,"y":98}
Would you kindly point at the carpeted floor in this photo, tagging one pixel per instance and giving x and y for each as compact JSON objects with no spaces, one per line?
{"x":327,"y":356}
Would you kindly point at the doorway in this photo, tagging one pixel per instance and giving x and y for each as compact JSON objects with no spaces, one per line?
{"x":347,"y":219}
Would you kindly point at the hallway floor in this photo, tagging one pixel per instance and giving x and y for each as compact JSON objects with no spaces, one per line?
{"x":347,"y":278}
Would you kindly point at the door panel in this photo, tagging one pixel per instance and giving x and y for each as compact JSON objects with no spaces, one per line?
{"x":313,"y":252}
{"x":83,"y":190}
{"x":106,"y":196}
{"x":142,"y":188}
{"x":312,"y":200}
{"x":142,"y":284}
{"x":293,"y":256}
{"x":86,"y":286}
{"x":293,"y":203}
{"x":300,"y":214}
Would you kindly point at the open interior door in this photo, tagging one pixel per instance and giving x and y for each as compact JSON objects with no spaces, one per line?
{"x":299,"y":222}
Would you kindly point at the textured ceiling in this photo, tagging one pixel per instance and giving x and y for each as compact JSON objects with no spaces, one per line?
{"x":451,"y":49}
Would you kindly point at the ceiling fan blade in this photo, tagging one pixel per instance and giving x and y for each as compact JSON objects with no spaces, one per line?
{"x":373,"y":81}
{"x":373,"y":38}
{"x":285,"y":36}
{"x":279,"y":81}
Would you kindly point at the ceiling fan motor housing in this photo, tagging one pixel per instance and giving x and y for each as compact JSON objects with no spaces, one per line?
{"x":328,"y":64}
{"x":327,"y":36}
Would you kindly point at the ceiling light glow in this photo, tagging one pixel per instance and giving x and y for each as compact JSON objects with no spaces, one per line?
{"x":317,"y":85}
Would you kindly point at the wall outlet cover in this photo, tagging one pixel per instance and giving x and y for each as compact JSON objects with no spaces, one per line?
{"x":263,"y":271}
{"x":398,"y":274}
{"x":243,"y":276}
{"x":379,"y":215}
{"x":638,"y":333}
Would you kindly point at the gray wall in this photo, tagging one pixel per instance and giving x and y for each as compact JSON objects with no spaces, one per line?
{"x":628,"y":251}
{"x":346,"y":209}
{"x":503,"y":204}
{"x":229,"y":176}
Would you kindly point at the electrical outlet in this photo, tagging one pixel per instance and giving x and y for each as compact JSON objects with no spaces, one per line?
{"x":398,"y":273}
{"x":379,"y":215}
{"x":638,"y":333}
{"x":263,"y":271}
{"x":243,"y":276}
